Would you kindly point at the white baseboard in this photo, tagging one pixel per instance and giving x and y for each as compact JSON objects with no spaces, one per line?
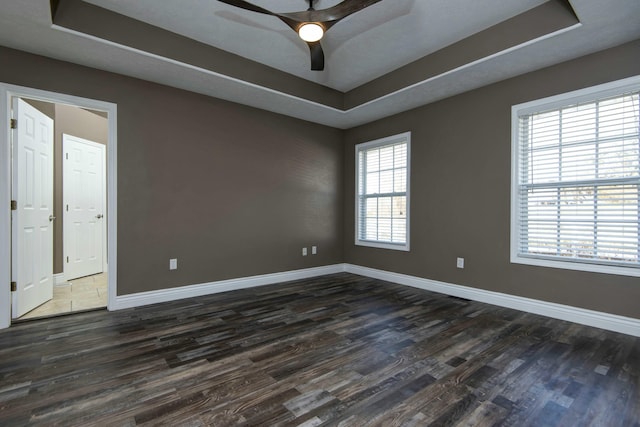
{"x":58,"y":279}
{"x":611,"y":322}
{"x":189,"y":291}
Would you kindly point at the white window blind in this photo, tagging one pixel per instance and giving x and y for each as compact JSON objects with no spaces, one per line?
{"x":382,"y":202}
{"x":578,"y":181}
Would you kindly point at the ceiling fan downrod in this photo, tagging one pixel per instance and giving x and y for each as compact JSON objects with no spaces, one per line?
{"x":311,"y":32}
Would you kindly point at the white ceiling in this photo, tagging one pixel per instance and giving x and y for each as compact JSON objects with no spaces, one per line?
{"x":362,"y":47}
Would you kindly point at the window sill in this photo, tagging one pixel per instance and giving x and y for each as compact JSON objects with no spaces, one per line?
{"x":578,"y":266}
{"x":383,"y":245}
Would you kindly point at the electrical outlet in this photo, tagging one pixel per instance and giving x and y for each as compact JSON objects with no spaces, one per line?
{"x":173,"y":264}
{"x":304,"y":251}
{"x":460,"y":263}
{"x":314,"y":250}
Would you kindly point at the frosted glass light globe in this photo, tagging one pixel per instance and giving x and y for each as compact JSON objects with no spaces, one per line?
{"x":310,"y":32}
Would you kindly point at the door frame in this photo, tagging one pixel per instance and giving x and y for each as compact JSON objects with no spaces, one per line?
{"x":103,"y":188}
{"x":7,"y":92}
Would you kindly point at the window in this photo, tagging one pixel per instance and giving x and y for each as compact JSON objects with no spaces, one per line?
{"x":576,"y":179}
{"x":382,"y":196}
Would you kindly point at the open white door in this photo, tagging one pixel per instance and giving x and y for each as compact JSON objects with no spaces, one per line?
{"x":32,"y":221}
{"x":83,"y":192}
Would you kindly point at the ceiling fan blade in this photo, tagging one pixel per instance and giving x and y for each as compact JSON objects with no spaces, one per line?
{"x":291,"y":22}
{"x":248,"y":6}
{"x":317,"y":56}
{"x":331,"y":15}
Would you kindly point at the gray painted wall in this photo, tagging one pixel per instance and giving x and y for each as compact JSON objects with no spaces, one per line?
{"x":229,"y":190}
{"x":460,"y":190}
{"x":45,"y":108}
{"x":232,"y":191}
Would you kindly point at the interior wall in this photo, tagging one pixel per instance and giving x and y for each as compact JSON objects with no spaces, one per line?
{"x":46,"y":108}
{"x":460,"y":190}
{"x":232,"y":191}
{"x":228,"y":190}
{"x":84,"y":124}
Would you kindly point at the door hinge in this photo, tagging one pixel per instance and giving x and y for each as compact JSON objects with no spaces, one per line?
{"x":14,"y":124}
{"x":14,"y":286}
{"x":14,"y":205}
{"x":67,"y":259}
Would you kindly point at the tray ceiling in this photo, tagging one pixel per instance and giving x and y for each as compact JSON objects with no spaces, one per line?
{"x":390,"y":57}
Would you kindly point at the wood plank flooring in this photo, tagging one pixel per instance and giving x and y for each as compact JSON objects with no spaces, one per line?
{"x":339,"y":350}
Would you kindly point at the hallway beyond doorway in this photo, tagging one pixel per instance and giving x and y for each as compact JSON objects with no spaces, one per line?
{"x":84,"y":293}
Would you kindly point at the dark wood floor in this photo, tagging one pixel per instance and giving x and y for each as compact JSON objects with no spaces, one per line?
{"x":336,"y":350}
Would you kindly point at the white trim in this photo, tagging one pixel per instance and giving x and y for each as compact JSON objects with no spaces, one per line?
{"x":553,"y":102}
{"x":7,"y":92}
{"x":195,"y":68}
{"x":190,"y":291}
{"x":576,"y":265}
{"x":5,"y":209}
{"x":363,"y":146}
{"x":578,"y":96}
{"x":58,"y":279}
{"x":598,"y":319}
{"x":468,"y":65}
{"x":337,"y":115}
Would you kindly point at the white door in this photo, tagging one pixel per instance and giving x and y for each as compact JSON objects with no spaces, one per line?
{"x":32,"y":221}
{"x":83,"y":193}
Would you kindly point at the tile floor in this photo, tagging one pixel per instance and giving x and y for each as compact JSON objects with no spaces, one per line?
{"x":83,"y":293}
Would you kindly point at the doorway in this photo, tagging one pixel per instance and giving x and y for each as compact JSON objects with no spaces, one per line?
{"x":58,"y":177}
{"x":76,"y":189}
{"x":92,"y":283}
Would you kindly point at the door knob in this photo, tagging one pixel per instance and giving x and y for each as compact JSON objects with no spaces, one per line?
{"x":51,"y":218}
{"x":99,"y":216}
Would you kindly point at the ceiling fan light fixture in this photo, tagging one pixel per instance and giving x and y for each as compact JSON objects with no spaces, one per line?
{"x":310,"y":24}
{"x":311,"y":31}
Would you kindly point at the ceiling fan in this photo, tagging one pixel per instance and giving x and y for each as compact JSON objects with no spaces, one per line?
{"x":310,"y":24}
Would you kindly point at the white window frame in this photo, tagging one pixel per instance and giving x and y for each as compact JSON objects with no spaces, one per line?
{"x":367,"y":146}
{"x":545,"y":104}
